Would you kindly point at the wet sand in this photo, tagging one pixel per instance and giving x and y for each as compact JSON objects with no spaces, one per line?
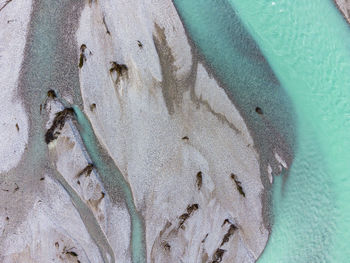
{"x":161,"y":123}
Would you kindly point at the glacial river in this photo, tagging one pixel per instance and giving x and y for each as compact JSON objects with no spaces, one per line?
{"x":307,"y":45}
{"x":51,"y":62}
{"x":302,"y":87}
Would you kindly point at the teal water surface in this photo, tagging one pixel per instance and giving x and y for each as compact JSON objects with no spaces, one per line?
{"x":114,"y":183}
{"x":306,"y":43}
{"x":307,"y":46}
{"x":237,"y":60}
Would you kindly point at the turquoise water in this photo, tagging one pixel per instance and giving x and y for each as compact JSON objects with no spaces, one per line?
{"x":305,"y":107}
{"x":237,"y":60}
{"x":307,"y":46}
{"x":51,"y":62}
{"x":48,"y":65}
{"x":114,"y":183}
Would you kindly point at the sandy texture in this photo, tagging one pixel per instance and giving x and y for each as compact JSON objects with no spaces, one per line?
{"x":165,"y":120}
{"x":344,"y":8}
{"x":170,"y":128}
{"x":13,"y":120}
{"x":70,"y":159}
{"x":52,"y":229}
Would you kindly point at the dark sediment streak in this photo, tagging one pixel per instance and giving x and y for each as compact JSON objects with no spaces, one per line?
{"x":249,"y":82}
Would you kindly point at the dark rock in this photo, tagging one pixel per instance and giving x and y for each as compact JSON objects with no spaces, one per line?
{"x":259,"y":110}
{"x":51,"y":94}
{"x":82,"y":55}
{"x":58,"y":124}
{"x":92,"y":107}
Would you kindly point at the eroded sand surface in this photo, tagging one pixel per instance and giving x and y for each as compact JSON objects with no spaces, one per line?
{"x":169,"y":127}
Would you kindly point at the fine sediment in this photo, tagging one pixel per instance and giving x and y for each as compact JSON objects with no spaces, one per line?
{"x":158,"y":112}
{"x":162,"y":122}
{"x":13,"y":120}
{"x":38,"y":217}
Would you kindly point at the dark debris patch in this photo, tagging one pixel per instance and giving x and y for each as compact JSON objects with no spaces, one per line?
{"x":120,"y":69}
{"x":69,"y":252}
{"x":82,"y":55}
{"x":205,"y":238}
{"x":166,"y":246}
{"x":258,"y":110}
{"x":92,"y":106}
{"x":226,"y":221}
{"x":57,"y":124}
{"x":238,"y":185}
{"x":72,"y":253}
{"x":229,"y":233}
{"x":217,"y":257}
{"x":87,"y":170}
{"x":51,"y":94}
{"x":199,"y":180}
{"x":190,"y":209}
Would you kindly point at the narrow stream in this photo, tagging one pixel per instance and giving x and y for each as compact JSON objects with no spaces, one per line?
{"x":51,"y":62}
{"x":114,"y":183}
{"x":306,"y":109}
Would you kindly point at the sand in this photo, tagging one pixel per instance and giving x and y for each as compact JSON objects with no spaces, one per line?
{"x":344,"y":8}
{"x":13,"y":30}
{"x":168,"y":125}
{"x":164,"y":121}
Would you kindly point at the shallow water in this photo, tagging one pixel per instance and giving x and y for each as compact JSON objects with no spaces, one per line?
{"x":306,"y":44}
{"x":114,"y":183}
{"x":51,"y":62}
{"x":238,"y":62}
